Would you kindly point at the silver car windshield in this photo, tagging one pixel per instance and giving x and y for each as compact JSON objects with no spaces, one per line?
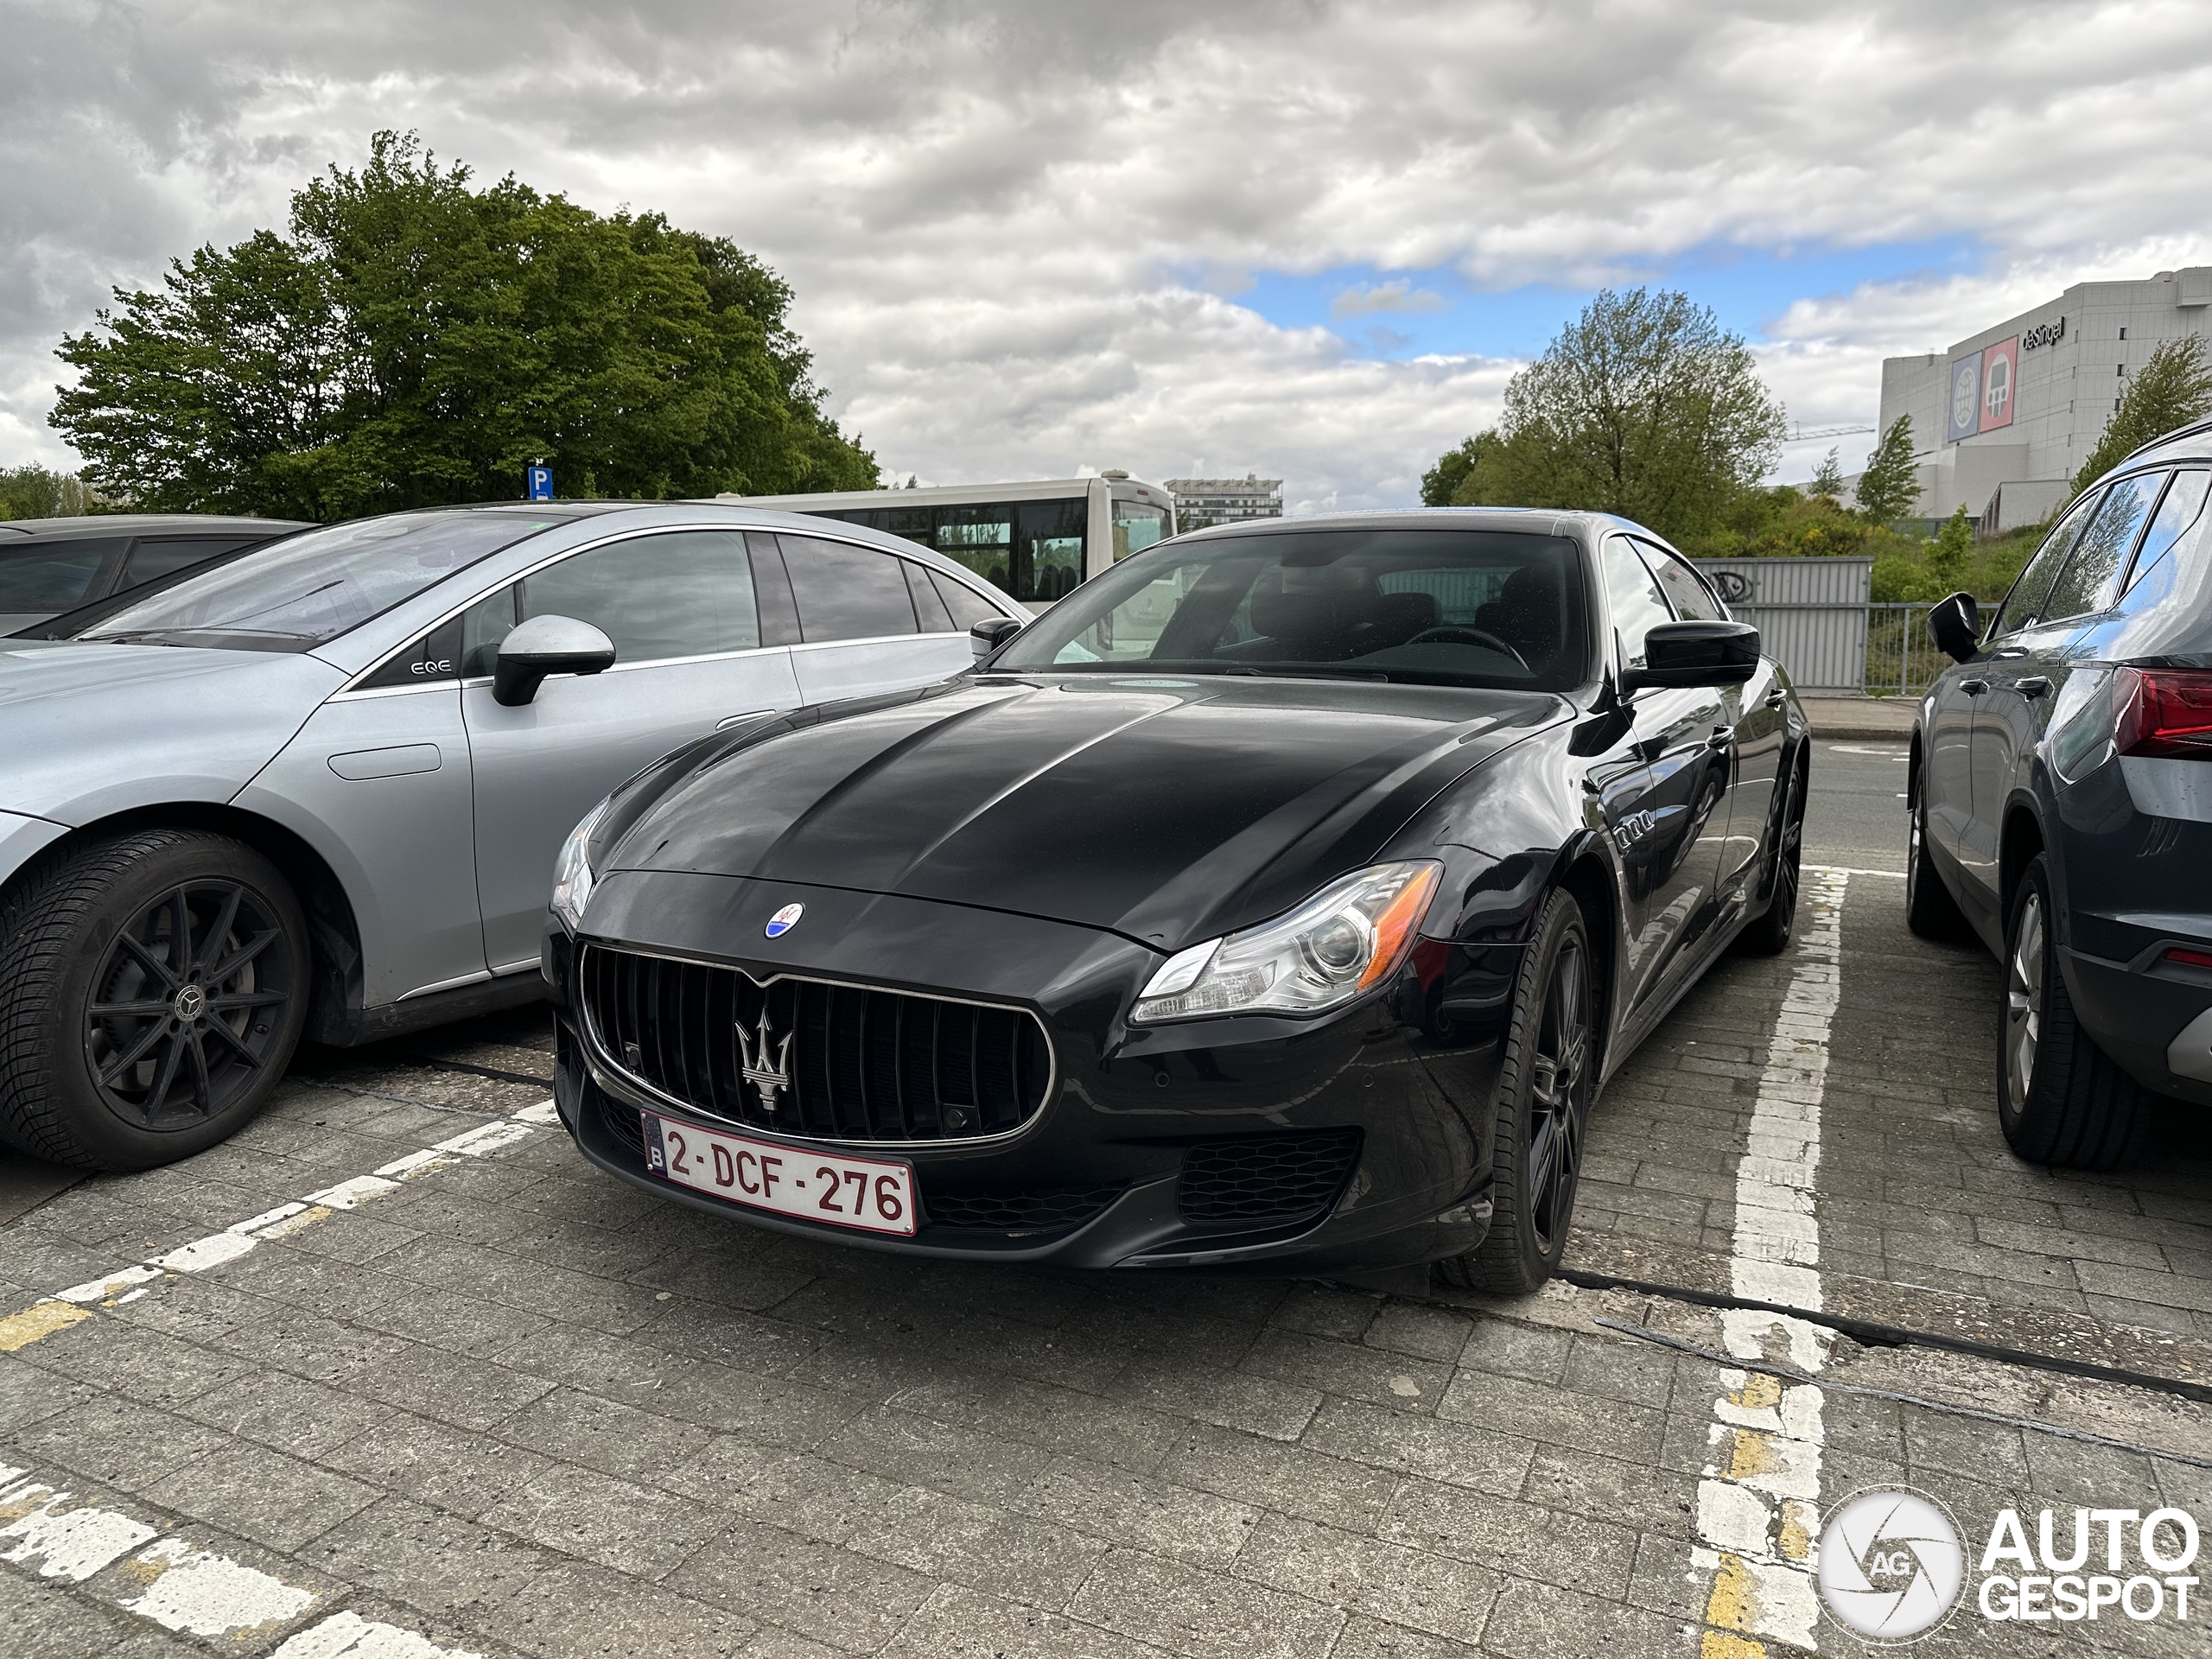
{"x":312,"y":586}
{"x":1436,"y":607}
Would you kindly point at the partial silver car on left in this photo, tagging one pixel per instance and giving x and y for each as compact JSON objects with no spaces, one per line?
{"x":319,"y":790}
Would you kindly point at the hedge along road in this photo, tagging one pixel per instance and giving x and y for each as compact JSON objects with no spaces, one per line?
{"x":502,"y":1406}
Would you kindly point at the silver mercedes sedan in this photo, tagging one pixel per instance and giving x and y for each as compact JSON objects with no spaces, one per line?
{"x":319,"y":792}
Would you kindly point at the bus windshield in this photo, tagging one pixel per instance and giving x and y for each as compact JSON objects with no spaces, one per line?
{"x":1433,"y":606}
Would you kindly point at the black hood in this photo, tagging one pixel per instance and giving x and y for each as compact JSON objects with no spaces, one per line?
{"x":1167,"y":810}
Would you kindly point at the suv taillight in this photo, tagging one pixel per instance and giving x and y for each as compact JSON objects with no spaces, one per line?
{"x":2163,"y":711}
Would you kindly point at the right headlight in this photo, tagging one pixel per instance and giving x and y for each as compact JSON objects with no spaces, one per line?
{"x":1345,"y":939}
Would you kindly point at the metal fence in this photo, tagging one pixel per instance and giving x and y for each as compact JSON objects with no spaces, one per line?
{"x":1816,"y":618}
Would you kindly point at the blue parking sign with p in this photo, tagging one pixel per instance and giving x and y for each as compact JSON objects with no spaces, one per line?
{"x":541,"y":483}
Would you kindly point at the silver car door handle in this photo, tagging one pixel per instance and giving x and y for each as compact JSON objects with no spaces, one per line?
{"x":1777,"y":697}
{"x":1721,"y":738}
{"x":2034,"y":686}
{"x":1973,"y":688}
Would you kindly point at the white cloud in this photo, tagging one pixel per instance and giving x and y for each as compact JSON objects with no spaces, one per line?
{"x":992,"y":213}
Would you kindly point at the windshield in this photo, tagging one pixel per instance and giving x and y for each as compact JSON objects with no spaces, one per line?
{"x":295,"y":593}
{"x":1442,"y":607}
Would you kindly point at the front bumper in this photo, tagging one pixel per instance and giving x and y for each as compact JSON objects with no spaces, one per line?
{"x":1123,"y":1163}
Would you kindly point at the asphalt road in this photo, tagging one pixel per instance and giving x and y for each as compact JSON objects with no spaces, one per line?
{"x":1855,"y":809}
{"x":395,"y":1375}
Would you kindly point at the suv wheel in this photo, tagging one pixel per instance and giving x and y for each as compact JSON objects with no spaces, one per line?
{"x":152,"y":988}
{"x":1543,"y":1105}
{"x":1929,"y":910}
{"x":2060,"y":1099}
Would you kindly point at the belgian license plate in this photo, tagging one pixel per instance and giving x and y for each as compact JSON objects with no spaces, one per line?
{"x":873,"y":1194}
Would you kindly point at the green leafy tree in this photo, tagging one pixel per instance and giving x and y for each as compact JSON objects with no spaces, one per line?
{"x":1890,"y":488}
{"x":1827,"y":477}
{"x":1440,"y":485}
{"x":1644,"y":406}
{"x":1951,"y":548}
{"x":2172,"y":389}
{"x":40,"y":492}
{"x":413,"y":341}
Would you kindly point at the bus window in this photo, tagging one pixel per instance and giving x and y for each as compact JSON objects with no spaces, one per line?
{"x":1137,"y":526}
{"x":983,"y":539}
{"x":1050,"y":544}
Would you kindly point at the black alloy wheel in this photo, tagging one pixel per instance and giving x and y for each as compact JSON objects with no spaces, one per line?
{"x":1777,"y":925}
{"x":1544,"y":1093}
{"x":186,"y":1005}
{"x":2060,"y":1098}
{"x":152,"y":990}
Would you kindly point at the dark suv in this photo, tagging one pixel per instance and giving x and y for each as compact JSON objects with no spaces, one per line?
{"x":2061,"y":803}
{"x":51,"y":565}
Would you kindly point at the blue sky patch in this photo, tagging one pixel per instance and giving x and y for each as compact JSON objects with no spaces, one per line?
{"x":1401,"y":314}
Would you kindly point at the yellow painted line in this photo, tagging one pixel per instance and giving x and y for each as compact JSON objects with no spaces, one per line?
{"x":19,"y":1331}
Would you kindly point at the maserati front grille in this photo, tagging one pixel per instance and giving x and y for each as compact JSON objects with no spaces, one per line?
{"x":806,"y":1057}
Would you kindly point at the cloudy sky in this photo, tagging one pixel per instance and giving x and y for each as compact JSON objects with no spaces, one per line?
{"x":1304,"y":238}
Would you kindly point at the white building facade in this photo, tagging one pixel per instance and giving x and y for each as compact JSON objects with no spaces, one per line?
{"x":1226,"y":500}
{"x":2003,"y":420}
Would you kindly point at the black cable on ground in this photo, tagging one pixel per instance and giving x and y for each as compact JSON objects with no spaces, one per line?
{"x":1871,"y":1334}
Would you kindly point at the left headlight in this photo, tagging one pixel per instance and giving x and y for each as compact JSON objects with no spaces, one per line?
{"x":1345,"y":939}
{"x":572,"y":876}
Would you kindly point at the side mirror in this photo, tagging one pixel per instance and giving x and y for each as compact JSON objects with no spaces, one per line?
{"x":988,"y":635}
{"x":543,"y":645}
{"x":1695,"y":653}
{"x":1954,"y":625}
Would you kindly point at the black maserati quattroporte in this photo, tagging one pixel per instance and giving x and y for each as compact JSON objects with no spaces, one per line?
{"x":1279,"y":898}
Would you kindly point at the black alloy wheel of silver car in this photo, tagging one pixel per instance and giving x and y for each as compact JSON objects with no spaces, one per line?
{"x":2060,"y":1098}
{"x":1777,"y":925}
{"x":153,"y":990}
{"x":1543,"y":1106}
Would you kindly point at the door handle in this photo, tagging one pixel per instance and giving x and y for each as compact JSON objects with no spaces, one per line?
{"x":2034,"y":686}
{"x":1777,"y":697}
{"x":1973,"y":688}
{"x":1721,"y":738}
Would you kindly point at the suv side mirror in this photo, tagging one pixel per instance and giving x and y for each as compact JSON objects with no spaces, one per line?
{"x":1955,"y":624}
{"x":1695,"y":653}
{"x":989,"y":634}
{"x":543,"y":645}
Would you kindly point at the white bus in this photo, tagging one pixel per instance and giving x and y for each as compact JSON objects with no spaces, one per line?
{"x":1034,"y":541}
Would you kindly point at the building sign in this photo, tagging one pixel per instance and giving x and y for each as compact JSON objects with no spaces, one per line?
{"x":2043,"y":334}
{"x":1982,"y":388}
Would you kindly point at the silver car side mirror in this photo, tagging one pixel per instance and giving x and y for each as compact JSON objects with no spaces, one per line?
{"x":543,"y":645}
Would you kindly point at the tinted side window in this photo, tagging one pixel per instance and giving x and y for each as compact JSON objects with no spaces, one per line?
{"x":846,"y":592}
{"x":968,"y":607}
{"x":1692,"y":599}
{"x":2024,"y":605}
{"x":52,"y":576}
{"x":1635,"y":598}
{"x":2092,"y":573}
{"x":929,"y":609}
{"x":157,"y":555}
{"x":2156,"y":560}
{"x":685,"y":594}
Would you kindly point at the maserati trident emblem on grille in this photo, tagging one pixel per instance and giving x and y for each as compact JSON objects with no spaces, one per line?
{"x":770,"y":1078}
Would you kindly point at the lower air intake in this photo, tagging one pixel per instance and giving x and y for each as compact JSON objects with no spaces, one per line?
{"x":1271,"y":1178}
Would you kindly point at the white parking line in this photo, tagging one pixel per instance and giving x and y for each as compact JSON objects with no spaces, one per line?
{"x":1758,"y":1503}
{"x":194,"y":1590}
{"x":71,"y":1307}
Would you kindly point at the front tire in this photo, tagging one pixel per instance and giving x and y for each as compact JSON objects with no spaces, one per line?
{"x":1544,"y":1092}
{"x":152,"y":990}
{"x":1929,"y":910}
{"x":2060,"y":1099}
